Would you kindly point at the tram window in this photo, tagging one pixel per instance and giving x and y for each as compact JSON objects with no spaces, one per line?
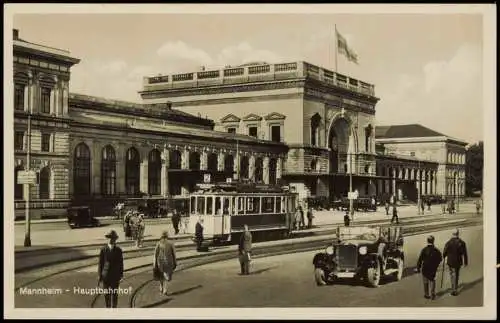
{"x":200,"y":205}
{"x":218,"y":209}
{"x":241,"y":205}
{"x":268,"y":204}
{"x":233,"y":205}
{"x":193,"y":205}
{"x":253,"y":205}
{"x":278,"y":204}
{"x":210,"y":205}
{"x":225,"y":208}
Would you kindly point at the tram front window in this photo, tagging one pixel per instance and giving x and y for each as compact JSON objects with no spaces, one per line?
{"x":268,"y":204}
{"x":218,"y":209}
{"x":210,"y":205}
{"x":200,"y":205}
{"x":253,"y":205}
{"x":193,"y":204}
{"x":225,"y":209}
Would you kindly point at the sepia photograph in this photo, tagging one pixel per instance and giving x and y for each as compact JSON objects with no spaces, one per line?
{"x":239,"y":161}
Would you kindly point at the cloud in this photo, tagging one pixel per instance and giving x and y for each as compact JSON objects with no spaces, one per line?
{"x":179,"y":50}
{"x":113,"y":67}
{"x":245,"y":53}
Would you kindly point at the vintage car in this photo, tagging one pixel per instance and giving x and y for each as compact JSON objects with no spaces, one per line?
{"x":81,"y":216}
{"x":365,"y":254}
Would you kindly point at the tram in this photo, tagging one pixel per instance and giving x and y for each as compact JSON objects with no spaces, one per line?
{"x":226,"y":207}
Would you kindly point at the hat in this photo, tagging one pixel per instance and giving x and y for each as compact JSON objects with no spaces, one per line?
{"x":455,"y":233}
{"x":164,"y":234}
{"x":112,"y":235}
{"x":430,"y":239}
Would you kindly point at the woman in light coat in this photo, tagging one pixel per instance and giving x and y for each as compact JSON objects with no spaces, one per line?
{"x":164,"y":261}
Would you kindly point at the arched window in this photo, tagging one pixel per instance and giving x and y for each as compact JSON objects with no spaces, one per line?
{"x":194,"y":160}
{"x":212,"y":162}
{"x":315,"y":122}
{"x":175,"y":159}
{"x":132,"y":171}
{"x":44,"y":187}
{"x":229,"y":164}
{"x":81,"y":170}
{"x":368,"y":134}
{"x":154,"y":172}
{"x":108,"y":171}
{"x":18,"y":188}
{"x":244,"y":164}
{"x":272,"y":171}
{"x":259,"y":170}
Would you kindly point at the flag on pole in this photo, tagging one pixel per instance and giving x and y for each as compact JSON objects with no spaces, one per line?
{"x":344,"y":49}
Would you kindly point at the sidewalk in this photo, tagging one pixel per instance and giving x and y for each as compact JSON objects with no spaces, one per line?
{"x":90,"y":236}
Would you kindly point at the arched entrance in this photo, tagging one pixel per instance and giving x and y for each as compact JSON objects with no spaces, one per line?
{"x":338,"y":142}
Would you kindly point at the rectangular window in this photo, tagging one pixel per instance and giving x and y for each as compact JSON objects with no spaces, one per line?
{"x":231,"y":130}
{"x":253,"y":205}
{"x":45,"y":100}
{"x":268,"y":205}
{"x":412,"y":154}
{"x":19,"y":97}
{"x":19,"y":140}
{"x":276,"y":133}
{"x":252,"y":131}
{"x":200,"y":205}
{"x":210,"y":206}
{"x":46,"y":142}
{"x":193,"y":205}
{"x":218,"y":206}
{"x":241,"y":205}
{"x":278,"y":204}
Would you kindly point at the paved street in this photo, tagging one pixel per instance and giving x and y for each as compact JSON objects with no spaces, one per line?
{"x":59,"y":234}
{"x":287,"y":281}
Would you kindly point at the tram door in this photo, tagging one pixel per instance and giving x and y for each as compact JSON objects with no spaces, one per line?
{"x":222,"y":219}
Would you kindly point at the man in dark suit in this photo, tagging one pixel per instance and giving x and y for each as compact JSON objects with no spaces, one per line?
{"x":244,"y":251}
{"x":455,"y":253}
{"x":428,"y":263}
{"x":111,"y":269}
{"x":198,"y":234}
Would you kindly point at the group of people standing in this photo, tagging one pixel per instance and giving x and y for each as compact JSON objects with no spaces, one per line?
{"x":134,"y":227}
{"x":299,"y":222}
{"x":455,"y":256}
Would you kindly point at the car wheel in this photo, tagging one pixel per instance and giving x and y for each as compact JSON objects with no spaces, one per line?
{"x":319,"y":276}
{"x":373,"y":275}
{"x":401,"y":267}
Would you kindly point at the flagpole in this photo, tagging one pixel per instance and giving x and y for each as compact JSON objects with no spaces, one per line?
{"x":336,"y":48}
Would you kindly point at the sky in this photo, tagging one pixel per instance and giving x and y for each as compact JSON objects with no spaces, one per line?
{"x":426,"y":68}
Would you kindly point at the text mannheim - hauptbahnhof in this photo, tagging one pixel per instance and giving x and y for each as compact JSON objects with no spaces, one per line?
{"x":293,"y":124}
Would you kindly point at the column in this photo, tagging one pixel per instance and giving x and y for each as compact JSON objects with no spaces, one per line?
{"x":165,"y":156}
{"x":278,"y":168}
{"x":204,"y":160}
{"x":143,"y":178}
{"x":65,"y":97}
{"x":251,"y":168}
{"x":220,"y":162}
{"x":394,"y":182}
{"x":265,"y":174}
{"x":185,"y":159}
{"x":435,"y":182}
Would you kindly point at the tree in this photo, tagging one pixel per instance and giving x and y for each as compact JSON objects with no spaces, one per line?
{"x":474,"y":168}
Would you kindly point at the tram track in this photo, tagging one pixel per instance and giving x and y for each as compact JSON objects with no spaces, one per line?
{"x":196,"y":260}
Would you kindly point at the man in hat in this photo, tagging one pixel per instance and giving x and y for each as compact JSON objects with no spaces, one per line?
{"x":164,"y":261}
{"x":198,"y":234}
{"x":244,"y":250}
{"x":110,"y":269}
{"x":455,"y":253}
{"x":428,"y":263}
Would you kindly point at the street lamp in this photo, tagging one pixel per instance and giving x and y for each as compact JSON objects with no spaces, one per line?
{"x":27,"y":237}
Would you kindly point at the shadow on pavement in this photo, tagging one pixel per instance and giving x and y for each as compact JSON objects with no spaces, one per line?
{"x":263,"y":270}
{"x":461,"y":288}
{"x":165,"y":301}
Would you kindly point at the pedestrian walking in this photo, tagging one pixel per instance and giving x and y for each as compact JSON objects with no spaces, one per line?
{"x":164,"y":262}
{"x":110,"y":269}
{"x":428,"y":263}
{"x":422,"y":206}
{"x":176,"y":219}
{"x":386,"y":207}
{"x":478,"y":206}
{"x":443,"y":207}
{"x":310,"y":217}
{"x":302,"y":218}
{"x":394,"y":214}
{"x":455,"y":253}
{"x":347,"y":220}
{"x":126,"y":225}
{"x":140,"y":228}
{"x":296,"y":222}
{"x":429,"y":204}
{"x":245,"y":250}
{"x":198,"y":234}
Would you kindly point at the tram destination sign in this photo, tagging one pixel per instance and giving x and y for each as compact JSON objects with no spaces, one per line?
{"x":26,"y":177}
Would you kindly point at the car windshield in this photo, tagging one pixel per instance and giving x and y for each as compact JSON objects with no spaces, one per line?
{"x":358,"y":233}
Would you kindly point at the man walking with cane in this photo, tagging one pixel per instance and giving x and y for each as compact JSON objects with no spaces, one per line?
{"x":428,"y":263}
{"x":244,"y":250}
{"x":455,"y":253}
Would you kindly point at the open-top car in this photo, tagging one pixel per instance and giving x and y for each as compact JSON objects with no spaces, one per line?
{"x":363,"y":253}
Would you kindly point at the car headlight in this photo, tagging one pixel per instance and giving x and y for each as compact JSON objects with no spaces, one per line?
{"x":363,"y":250}
{"x":329,"y":250}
